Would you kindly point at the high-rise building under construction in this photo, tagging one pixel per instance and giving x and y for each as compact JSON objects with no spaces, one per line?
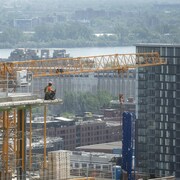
{"x":158,"y":113}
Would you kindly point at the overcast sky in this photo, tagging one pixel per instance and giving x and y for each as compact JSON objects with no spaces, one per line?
{"x":94,"y":1}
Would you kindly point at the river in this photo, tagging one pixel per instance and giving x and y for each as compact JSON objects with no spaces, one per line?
{"x":87,"y":51}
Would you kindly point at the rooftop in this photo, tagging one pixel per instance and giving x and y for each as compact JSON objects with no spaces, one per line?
{"x":63,"y":119}
{"x":157,"y":45}
{"x":104,"y":147}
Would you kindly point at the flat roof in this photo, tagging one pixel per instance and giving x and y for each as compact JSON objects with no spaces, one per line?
{"x":63,"y":119}
{"x":157,"y":45}
{"x":101,"y":147}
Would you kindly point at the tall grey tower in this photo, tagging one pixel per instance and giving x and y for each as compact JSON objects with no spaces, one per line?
{"x":158,"y":113}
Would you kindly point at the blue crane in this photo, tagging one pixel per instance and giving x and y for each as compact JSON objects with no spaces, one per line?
{"x":128,"y":134}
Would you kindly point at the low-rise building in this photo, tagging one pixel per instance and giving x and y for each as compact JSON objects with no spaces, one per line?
{"x":91,"y":164}
{"x":111,"y":148}
{"x":78,"y":133}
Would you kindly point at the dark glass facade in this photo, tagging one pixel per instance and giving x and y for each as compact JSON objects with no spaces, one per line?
{"x":158,"y":113}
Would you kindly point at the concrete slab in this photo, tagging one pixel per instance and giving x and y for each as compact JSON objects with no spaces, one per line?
{"x":18,"y":97}
{"x":23,"y":103}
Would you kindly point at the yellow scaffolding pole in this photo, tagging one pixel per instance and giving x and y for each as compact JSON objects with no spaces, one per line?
{"x":23,"y":140}
{"x":30,"y":138}
{"x":45,"y":116}
{"x":21,"y":143}
{"x":15,"y":134}
{"x":5,"y":140}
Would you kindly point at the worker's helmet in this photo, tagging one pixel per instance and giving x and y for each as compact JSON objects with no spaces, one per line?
{"x":50,"y":82}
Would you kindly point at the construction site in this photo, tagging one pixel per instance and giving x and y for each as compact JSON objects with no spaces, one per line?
{"x":19,"y":101}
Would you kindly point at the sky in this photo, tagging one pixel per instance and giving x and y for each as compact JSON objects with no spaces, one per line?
{"x":92,"y":1}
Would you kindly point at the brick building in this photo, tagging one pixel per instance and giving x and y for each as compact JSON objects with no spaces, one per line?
{"x":78,"y":133}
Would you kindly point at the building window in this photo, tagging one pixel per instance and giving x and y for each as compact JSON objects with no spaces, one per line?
{"x":105,"y":167}
{"x":142,"y":139}
{"x":98,"y":167}
{"x":76,"y":165}
{"x":170,"y":51}
{"x":84,"y":165}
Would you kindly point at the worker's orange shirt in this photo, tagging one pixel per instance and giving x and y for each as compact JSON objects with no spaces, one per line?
{"x":49,"y":89}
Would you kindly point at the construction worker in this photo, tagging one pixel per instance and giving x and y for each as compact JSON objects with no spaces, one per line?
{"x":121,"y":98}
{"x":49,"y":91}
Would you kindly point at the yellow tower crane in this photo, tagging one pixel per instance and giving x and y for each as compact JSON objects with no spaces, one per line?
{"x":16,"y":146}
{"x":53,"y":67}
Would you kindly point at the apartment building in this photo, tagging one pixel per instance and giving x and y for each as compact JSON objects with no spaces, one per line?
{"x":95,"y":132}
{"x":158,"y":113}
{"x":76,"y":134}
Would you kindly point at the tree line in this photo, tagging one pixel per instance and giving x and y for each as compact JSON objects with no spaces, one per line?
{"x":78,"y":103}
{"x":129,"y":24}
{"x":57,"y":35}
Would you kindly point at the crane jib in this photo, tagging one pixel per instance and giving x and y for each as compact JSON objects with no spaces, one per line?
{"x":53,"y":67}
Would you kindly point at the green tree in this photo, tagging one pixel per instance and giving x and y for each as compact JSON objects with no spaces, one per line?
{"x":77,"y":31}
{"x":104,"y":98}
{"x":122,"y":32}
{"x":79,"y":103}
{"x":43,"y":33}
{"x":88,"y":102}
{"x":69,"y":102}
{"x":59,"y":31}
{"x":11,"y":35}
